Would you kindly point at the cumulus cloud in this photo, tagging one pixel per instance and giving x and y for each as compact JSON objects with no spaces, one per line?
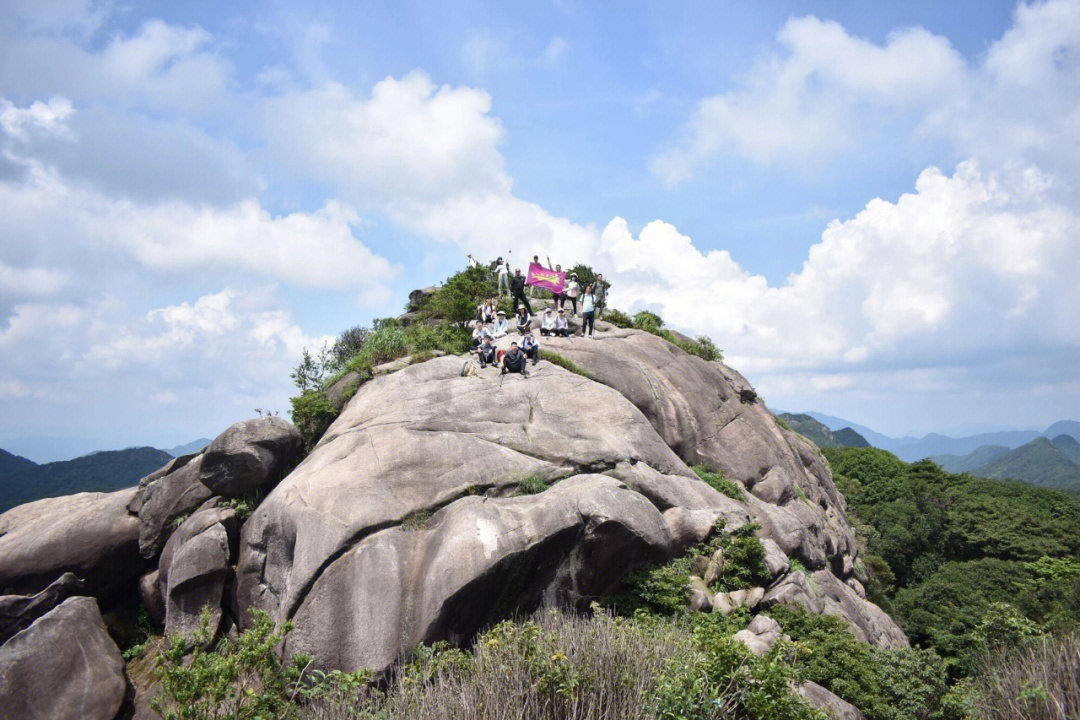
{"x":825,"y":91}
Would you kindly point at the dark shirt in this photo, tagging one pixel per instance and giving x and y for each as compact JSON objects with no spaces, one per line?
{"x":514,"y":361}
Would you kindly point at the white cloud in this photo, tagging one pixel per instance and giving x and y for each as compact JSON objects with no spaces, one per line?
{"x":48,"y":118}
{"x":554,"y":52}
{"x":825,"y":91}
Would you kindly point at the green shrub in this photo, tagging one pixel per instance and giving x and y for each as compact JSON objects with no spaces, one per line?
{"x":532,"y":485}
{"x":617,"y":318}
{"x":456,"y":300}
{"x":450,"y":338}
{"x":650,"y":322}
{"x":703,"y":347}
{"x":312,"y":414}
{"x":416,"y":520}
{"x":585,"y":275}
{"x":564,"y":362}
{"x":717,"y":481}
{"x":1039,"y":680}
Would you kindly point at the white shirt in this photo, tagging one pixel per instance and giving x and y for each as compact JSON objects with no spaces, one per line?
{"x":502,"y":269}
{"x":572,"y":289}
{"x":548,"y":322}
{"x":501,"y":328}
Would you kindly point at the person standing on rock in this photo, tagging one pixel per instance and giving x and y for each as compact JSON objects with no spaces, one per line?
{"x":514,"y":360}
{"x":517,"y":290}
{"x":557,"y":297}
{"x":600,"y":290}
{"x":572,"y":291}
{"x":486,"y":352}
{"x":588,"y":310}
{"x":534,"y":292}
{"x":502,"y":273}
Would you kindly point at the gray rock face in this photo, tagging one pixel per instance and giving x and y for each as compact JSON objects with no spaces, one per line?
{"x":760,"y":634}
{"x":164,"y":496}
{"x":89,"y":534}
{"x":196,"y":580}
{"x":199,"y":522}
{"x":426,"y":438}
{"x":64,"y":666}
{"x":18,"y":612}
{"x":249,"y":455}
{"x":830,"y":704}
{"x":701,"y":411}
{"x":822,"y":593}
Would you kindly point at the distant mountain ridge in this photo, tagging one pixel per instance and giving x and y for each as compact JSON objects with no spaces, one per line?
{"x":933,"y":445}
{"x":23,"y":481}
{"x":820,"y":434}
{"x":1040,"y":462}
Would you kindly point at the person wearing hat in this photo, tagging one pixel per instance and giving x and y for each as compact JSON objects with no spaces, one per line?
{"x":547,"y":323}
{"x":529,"y":346}
{"x":562,"y":327}
{"x":571,"y":292}
{"x":522,"y":319}
{"x":501,"y":326}
{"x":486,"y":352}
{"x":513,"y":361}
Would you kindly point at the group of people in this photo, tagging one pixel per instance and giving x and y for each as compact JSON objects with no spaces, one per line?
{"x":492,"y":324}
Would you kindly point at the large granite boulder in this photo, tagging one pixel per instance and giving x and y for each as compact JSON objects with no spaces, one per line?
{"x":708,"y":413}
{"x":834,"y":707}
{"x":196,"y":581}
{"x":249,"y":456}
{"x":822,"y":592}
{"x":88,"y":534}
{"x":63,"y":667}
{"x":331,"y":538}
{"x":18,"y":612}
{"x":163,"y":497}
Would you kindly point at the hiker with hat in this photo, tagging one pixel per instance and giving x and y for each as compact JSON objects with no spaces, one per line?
{"x":501,"y":326}
{"x":529,"y":346}
{"x":486,"y":352}
{"x":522,"y":319}
{"x":571,"y":291}
{"x":513,"y":360}
{"x":562,"y":327}
{"x":517,"y":290}
{"x":547,"y":323}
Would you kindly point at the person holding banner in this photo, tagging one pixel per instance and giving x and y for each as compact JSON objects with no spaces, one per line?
{"x":517,"y":290}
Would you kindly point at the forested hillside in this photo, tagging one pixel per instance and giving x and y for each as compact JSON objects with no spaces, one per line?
{"x":969,"y":566}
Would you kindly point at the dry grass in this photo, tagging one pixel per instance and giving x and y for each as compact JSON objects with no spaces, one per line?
{"x":554,"y":667}
{"x":1042,"y":682}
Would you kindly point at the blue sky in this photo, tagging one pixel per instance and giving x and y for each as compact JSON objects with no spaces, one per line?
{"x":873,"y":210}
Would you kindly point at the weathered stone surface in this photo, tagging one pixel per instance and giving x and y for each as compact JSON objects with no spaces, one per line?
{"x":775,"y":560}
{"x":196,"y":580}
{"x":64,"y":666}
{"x":424,"y":437}
{"x":17,"y":612}
{"x":89,"y":534}
{"x":164,"y":496}
{"x":249,"y":456}
{"x":150,"y":596}
{"x":199,"y":521}
{"x":830,"y":704}
{"x":701,"y":410}
{"x":822,"y":593}
{"x":342,"y":390}
{"x":475,"y":560}
{"x":760,"y":634}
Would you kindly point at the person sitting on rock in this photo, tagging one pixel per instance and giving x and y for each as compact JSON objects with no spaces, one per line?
{"x":522,"y":319}
{"x":562,"y":327}
{"x":547,"y":323}
{"x":501,"y":326}
{"x":514,"y":360}
{"x":485,"y":313}
{"x":480,"y":331}
{"x":486,"y":352}
{"x":529,"y":346}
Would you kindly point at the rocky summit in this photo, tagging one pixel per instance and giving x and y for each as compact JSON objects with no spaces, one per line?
{"x":444,"y":497}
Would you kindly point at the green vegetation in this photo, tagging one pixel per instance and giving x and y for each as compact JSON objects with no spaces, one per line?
{"x":564,"y":362}
{"x":819,"y":434}
{"x":717,"y":481}
{"x":1041,"y":462}
{"x":617,"y":318}
{"x":650,"y":322}
{"x":532,"y":485}
{"x":661,"y":589}
{"x":312,"y":415}
{"x":984,"y":573}
{"x":416,"y":520}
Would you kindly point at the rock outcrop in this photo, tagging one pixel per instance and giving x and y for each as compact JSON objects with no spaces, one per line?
{"x":194,"y":568}
{"x":249,"y":456}
{"x":18,"y":612}
{"x":833,"y":706}
{"x":405,"y":524}
{"x":88,"y":534}
{"x":760,"y":635}
{"x":63,"y":667}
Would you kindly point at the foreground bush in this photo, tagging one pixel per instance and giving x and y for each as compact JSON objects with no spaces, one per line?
{"x":565,"y":667}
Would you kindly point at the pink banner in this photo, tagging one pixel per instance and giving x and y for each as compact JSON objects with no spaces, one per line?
{"x":542,"y":277}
